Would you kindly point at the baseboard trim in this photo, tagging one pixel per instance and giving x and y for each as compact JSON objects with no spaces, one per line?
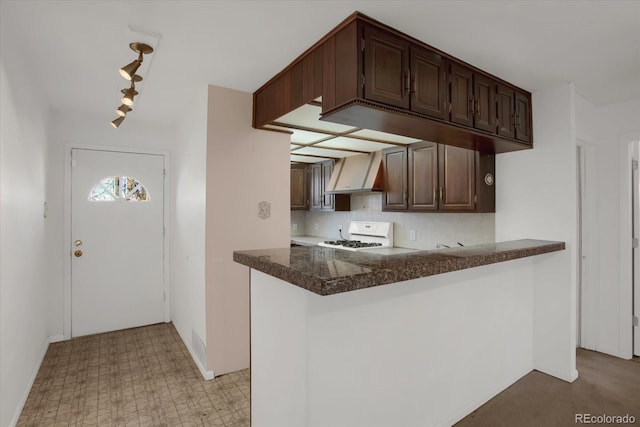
{"x":56,"y":338}
{"x":25,"y":394}
{"x":207,"y":375}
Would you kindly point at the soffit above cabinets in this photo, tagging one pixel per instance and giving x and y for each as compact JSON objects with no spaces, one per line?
{"x":314,"y":140}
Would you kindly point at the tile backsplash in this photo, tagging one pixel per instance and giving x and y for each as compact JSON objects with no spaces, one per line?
{"x":430,"y":228}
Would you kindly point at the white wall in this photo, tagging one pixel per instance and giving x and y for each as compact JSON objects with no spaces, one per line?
{"x":537,"y":199}
{"x":244,"y":167}
{"x":431,"y":228}
{"x":24,"y":282}
{"x":188,"y":228}
{"x":603,"y":130}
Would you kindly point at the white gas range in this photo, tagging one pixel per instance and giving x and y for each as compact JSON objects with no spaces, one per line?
{"x":364,"y":235}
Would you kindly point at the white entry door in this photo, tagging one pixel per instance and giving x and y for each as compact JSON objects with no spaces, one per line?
{"x":117,"y":226}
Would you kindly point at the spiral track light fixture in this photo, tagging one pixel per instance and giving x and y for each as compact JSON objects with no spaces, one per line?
{"x":129,"y":73}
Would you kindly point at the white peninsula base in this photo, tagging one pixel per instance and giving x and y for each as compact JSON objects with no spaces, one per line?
{"x":424,"y":352}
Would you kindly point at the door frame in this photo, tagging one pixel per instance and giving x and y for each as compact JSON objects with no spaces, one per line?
{"x":626,"y":143}
{"x":67,"y":248}
{"x":588,"y":240}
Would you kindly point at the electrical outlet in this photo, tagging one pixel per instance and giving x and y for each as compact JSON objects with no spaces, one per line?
{"x":294,"y":227}
{"x":315,"y":226}
{"x":340,"y":227}
{"x":413,"y":234}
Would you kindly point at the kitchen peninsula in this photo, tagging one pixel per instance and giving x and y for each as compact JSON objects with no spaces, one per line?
{"x":331,"y":346}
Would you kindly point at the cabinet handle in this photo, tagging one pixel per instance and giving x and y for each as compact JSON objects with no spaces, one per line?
{"x":407,"y":82}
{"x":441,"y":195}
{"x":517,"y":121}
{"x":471,"y":106}
{"x":477,"y":106}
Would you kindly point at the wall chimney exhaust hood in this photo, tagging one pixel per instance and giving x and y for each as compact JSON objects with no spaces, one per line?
{"x":357,"y":174}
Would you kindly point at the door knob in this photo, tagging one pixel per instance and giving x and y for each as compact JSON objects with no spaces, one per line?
{"x":78,"y":253}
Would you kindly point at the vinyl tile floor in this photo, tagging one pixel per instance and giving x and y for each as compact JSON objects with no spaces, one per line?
{"x":135,"y":377}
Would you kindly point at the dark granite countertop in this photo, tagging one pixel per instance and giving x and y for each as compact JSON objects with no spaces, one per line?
{"x":327,"y":271}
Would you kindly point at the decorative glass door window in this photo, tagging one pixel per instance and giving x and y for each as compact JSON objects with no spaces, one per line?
{"x":119,"y":187}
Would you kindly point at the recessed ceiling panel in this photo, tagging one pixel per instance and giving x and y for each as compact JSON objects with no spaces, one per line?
{"x":304,"y":137}
{"x":374,"y":134}
{"x":308,"y":116}
{"x":313,"y":151}
{"x":305,"y":159}
{"x":353,"y":144}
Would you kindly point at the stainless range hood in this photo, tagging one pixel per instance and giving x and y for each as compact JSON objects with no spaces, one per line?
{"x":356,"y":174}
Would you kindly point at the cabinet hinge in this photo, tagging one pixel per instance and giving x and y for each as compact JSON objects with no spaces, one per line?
{"x":634,"y":243}
{"x":635,"y":320}
{"x":634,"y":165}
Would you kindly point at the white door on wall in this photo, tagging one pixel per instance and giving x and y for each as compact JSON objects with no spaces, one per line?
{"x":117,"y":231}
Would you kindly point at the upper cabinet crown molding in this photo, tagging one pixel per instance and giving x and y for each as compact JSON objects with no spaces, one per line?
{"x":372,"y":76}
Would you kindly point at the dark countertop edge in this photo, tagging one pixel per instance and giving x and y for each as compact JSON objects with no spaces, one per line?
{"x":453,"y":259}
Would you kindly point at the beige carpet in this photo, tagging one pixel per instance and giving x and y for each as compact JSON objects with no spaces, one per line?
{"x":136,"y":377}
{"x":606,"y":386}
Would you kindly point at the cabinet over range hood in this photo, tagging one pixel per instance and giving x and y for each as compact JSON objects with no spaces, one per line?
{"x":367,"y":75}
{"x":356,"y":174}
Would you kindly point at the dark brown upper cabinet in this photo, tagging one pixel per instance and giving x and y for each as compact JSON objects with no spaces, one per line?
{"x":428,"y":83}
{"x":401,"y":75}
{"x":394,"y":182}
{"x":372,"y":76}
{"x":319,"y":175}
{"x":386,"y":68}
{"x":457,"y":179}
{"x":523,"y":117}
{"x":299,"y":199}
{"x":506,"y":111}
{"x":472,"y":99}
{"x":430,"y":177}
{"x":423,"y":176}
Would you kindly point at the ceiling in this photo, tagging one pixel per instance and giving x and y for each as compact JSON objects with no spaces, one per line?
{"x":74,"y":48}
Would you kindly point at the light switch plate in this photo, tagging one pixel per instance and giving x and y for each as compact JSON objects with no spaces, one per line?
{"x":413,"y":234}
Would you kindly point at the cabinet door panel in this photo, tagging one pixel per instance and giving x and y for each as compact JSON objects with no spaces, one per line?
{"x":484,"y":103}
{"x":315,"y":193}
{"x":506,"y":112}
{"x":523,"y":118}
{"x":298,"y":187}
{"x":328,"y":200}
{"x":423,"y":176}
{"x":394,"y":185}
{"x":386,"y":66}
{"x":461,"y":95}
{"x":457,"y":178}
{"x":429,"y":89}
